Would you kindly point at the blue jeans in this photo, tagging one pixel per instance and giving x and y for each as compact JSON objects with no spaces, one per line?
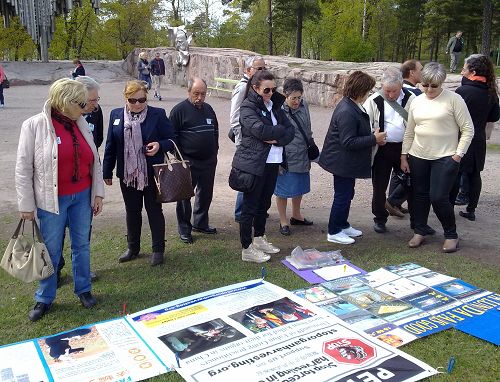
{"x":146,"y":78}
{"x":75,"y":211}
{"x":238,"y":205}
{"x":343,"y":194}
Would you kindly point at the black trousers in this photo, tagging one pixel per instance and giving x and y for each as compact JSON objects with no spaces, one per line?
{"x":256,"y":204}
{"x":471,"y":184}
{"x":134,"y":199}
{"x":202,"y":176}
{"x":388,"y":158}
{"x":432,"y":182}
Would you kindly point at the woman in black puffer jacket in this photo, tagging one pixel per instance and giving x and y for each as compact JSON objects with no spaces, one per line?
{"x":265,"y":129}
{"x":480,"y":93}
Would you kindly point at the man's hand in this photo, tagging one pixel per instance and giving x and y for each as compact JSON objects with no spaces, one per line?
{"x":28,"y":215}
{"x":108,"y":182}
{"x":97,"y":206}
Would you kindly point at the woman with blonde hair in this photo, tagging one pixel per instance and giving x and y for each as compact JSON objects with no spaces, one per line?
{"x":58,"y":176}
{"x":138,"y":137}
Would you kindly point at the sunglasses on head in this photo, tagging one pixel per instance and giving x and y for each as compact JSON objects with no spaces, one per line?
{"x":135,"y":100}
{"x":268,"y":90}
{"x":434,"y":86}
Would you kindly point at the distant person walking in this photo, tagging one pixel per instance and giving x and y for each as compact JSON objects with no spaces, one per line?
{"x":157,"y":73}
{"x":2,"y":78}
{"x":454,"y":48}
{"x":79,"y":69}
{"x":144,"y":69}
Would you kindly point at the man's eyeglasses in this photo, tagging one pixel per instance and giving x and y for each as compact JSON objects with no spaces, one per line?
{"x":135,"y":100}
{"x":298,"y":98}
{"x":434,"y":86}
{"x":268,"y":90}
{"x":94,"y":100}
{"x":259,"y":67}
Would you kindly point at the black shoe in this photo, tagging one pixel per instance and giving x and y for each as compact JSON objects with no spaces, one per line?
{"x":208,"y":230}
{"x":38,"y":311}
{"x":285,"y":230}
{"x":127,"y":256}
{"x":468,"y":215}
{"x":87,"y":300}
{"x":294,"y":221}
{"x":93,"y":276}
{"x":156,"y":259}
{"x":188,"y":239}
{"x":428,"y":230}
{"x":159,"y":98}
{"x":379,"y":228}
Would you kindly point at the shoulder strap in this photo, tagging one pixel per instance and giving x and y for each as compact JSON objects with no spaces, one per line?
{"x":396,"y":107}
{"x":300,"y":128}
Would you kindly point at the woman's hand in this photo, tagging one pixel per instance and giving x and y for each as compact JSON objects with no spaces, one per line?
{"x":97,"y":206}
{"x":380,"y":137}
{"x":108,"y":182}
{"x":152,"y":148}
{"x":28,"y":215}
{"x":456,"y":158}
{"x":405,"y":166}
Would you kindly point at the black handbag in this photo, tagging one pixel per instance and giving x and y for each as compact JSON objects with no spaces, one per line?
{"x":5,"y":83}
{"x":173,"y":178}
{"x":241,"y":180}
{"x":312,"y":149}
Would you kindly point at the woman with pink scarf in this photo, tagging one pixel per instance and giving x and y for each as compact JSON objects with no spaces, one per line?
{"x":138,"y":137}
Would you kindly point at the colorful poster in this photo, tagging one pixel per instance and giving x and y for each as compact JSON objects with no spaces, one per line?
{"x":458,"y":289}
{"x":364,"y":296}
{"x":429,"y":299}
{"x":393,"y":310}
{"x":431,"y":278}
{"x":406,"y":269}
{"x":315,"y":293}
{"x":264,"y":333}
{"x":343,"y":284}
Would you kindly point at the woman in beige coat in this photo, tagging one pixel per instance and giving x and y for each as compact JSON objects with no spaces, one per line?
{"x":59,"y":177}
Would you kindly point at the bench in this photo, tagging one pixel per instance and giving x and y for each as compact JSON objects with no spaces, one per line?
{"x":219,"y":82}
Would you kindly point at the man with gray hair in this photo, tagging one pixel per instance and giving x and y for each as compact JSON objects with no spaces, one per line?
{"x":388,"y":111}
{"x":252,"y":65}
{"x":197,"y":135}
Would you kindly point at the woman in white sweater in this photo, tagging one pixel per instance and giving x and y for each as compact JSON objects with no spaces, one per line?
{"x":437,"y":136}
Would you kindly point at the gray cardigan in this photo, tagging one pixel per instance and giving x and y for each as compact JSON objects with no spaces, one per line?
{"x":296,"y":151}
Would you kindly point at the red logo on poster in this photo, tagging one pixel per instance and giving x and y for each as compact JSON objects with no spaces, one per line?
{"x":349,"y":351}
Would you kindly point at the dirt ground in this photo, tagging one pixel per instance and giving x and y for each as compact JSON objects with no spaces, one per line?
{"x":480,"y":240}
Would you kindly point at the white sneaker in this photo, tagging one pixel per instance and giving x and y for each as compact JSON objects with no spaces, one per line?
{"x":340,"y":238}
{"x":261,"y":243}
{"x":254,"y":255}
{"x":352,"y":232}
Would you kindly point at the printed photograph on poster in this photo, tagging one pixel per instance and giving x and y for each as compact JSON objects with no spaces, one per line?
{"x":199,"y":338}
{"x":343,"y":284}
{"x":458,"y":289}
{"x":378,"y":277}
{"x":407,"y":269}
{"x":339,"y":307}
{"x":365,"y":296}
{"x":396,"y":337}
{"x":364,"y":320}
{"x":315,"y":293}
{"x":429,"y":300}
{"x":393,"y":310}
{"x":72,"y":345}
{"x":401,"y":287}
{"x":272,"y":315}
{"x":431,"y":278}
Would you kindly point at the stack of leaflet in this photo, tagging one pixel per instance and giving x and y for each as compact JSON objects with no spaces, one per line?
{"x":401,"y":303}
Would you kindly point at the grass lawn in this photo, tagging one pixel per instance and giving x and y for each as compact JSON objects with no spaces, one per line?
{"x":214,"y":261}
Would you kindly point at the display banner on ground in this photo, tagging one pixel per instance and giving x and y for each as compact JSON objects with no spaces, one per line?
{"x":107,"y":351}
{"x":256,"y":331}
{"x":401,"y":303}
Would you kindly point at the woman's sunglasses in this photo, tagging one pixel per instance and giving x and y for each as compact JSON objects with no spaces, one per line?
{"x":434,"y":86}
{"x":133,"y":101}
{"x":82,"y":105}
{"x":267,"y":90}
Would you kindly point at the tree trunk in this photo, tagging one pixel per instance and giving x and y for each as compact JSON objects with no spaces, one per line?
{"x":487,"y":18}
{"x":270,"y":24}
{"x":298,"y":45}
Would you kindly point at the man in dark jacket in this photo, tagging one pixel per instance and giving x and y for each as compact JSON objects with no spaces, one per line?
{"x":157,"y":74}
{"x":197,"y":134}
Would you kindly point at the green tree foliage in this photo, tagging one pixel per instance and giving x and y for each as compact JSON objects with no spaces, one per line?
{"x":16,"y":43}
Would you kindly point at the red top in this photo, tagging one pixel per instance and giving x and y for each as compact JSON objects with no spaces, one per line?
{"x":66,"y":160}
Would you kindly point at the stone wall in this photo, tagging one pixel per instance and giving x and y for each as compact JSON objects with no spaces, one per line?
{"x":322,"y":80}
